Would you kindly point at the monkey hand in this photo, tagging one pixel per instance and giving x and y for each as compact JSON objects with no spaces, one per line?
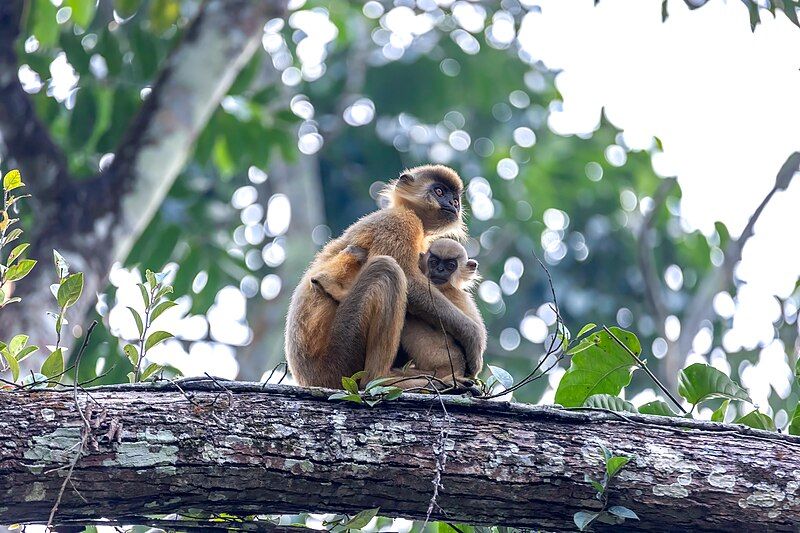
{"x":474,"y":344}
{"x":329,"y":287}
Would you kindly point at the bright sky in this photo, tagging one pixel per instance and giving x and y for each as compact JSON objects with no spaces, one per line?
{"x":718,"y":97}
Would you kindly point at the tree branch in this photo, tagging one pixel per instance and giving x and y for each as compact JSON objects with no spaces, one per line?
{"x":27,"y":140}
{"x":700,"y":307}
{"x":282,"y":449}
{"x":98,"y":222}
{"x":652,"y":280}
{"x":198,"y":73}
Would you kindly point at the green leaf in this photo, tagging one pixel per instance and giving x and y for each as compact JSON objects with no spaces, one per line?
{"x":615,"y":464}
{"x":350,"y":385}
{"x":586,"y":329}
{"x":35,"y":377}
{"x":611,"y":403}
{"x":26,"y":352}
{"x":582,"y":519}
{"x":361,"y":519}
{"x":596,"y":485}
{"x":757,"y":420}
{"x":606,"y":453}
{"x":375,"y":382}
{"x":160,"y":308}
{"x":12,"y":236}
{"x":145,"y":296}
{"x":359,"y":375}
{"x":138,"y":319}
{"x":54,"y":364}
{"x":13,"y":365}
{"x":151,"y":369}
{"x":163,"y":292}
{"x":719,"y":414}
{"x":10,"y":301}
{"x":350,"y":397}
{"x":82,"y":11}
{"x":657,"y":407}
{"x":794,"y":425}
{"x":622,"y":512}
{"x":155,"y":338}
{"x":16,"y":252}
{"x":62,"y":268}
{"x":70,"y":290}
{"x":132,"y":352}
{"x":393,"y":394}
{"x":131,"y":377}
{"x":151,"y":278}
{"x":505,"y":379}
{"x":699,"y":382}
{"x":599,"y":366}
{"x":20,"y":270}
{"x":17,"y":343}
{"x":13,"y":179}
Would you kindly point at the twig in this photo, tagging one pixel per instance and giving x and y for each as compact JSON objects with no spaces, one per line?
{"x":647,"y":265}
{"x":551,"y":349}
{"x":647,"y":370}
{"x":440,"y":453}
{"x":86,"y":430}
{"x":285,"y":366}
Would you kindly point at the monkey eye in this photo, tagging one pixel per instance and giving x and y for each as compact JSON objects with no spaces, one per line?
{"x":451,"y":265}
{"x":439,"y":191}
{"x":456,"y":202}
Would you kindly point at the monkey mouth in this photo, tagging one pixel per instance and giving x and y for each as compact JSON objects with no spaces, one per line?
{"x":450,"y":209}
{"x":439,"y":281}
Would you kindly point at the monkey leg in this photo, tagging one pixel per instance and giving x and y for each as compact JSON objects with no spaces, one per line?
{"x":434,"y":379}
{"x":365,"y":334}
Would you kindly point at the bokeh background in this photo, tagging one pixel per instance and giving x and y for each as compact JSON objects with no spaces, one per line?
{"x":628,"y":152}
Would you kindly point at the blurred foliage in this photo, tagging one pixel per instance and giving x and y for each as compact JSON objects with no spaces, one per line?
{"x":577,"y":201}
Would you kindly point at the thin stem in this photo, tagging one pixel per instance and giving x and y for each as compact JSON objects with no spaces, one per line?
{"x":85,"y":432}
{"x":144,"y":333}
{"x":647,"y":370}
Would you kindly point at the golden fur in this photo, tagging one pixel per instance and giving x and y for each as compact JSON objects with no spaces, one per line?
{"x":326,"y":340}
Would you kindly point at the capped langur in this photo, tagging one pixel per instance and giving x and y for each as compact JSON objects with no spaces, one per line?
{"x":432,"y":352}
{"x":326,"y":340}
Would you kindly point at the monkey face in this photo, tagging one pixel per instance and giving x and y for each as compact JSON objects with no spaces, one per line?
{"x":447,"y":200}
{"x":441,"y":269}
{"x":433,"y":192}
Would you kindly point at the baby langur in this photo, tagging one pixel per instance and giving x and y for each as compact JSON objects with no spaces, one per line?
{"x":432,"y":352}
{"x":429,"y":349}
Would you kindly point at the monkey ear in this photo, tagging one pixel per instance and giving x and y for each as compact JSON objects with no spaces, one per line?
{"x":472,"y":265}
{"x":406,"y":177}
{"x":423,"y":263}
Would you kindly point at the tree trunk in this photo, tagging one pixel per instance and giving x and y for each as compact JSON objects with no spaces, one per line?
{"x":246,"y":450}
{"x":95,"y":222}
{"x":300,"y":182}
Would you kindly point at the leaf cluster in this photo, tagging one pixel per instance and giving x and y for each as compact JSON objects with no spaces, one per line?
{"x":373,"y":393}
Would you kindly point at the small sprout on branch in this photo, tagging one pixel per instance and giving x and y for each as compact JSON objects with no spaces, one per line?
{"x":154,"y":293}
{"x":14,"y":268}
{"x":374,"y":392}
{"x":616,"y":514}
{"x":344,"y":523}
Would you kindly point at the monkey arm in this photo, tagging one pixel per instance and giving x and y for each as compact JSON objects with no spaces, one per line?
{"x":401,"y":236}
{"x":431,"y":306}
